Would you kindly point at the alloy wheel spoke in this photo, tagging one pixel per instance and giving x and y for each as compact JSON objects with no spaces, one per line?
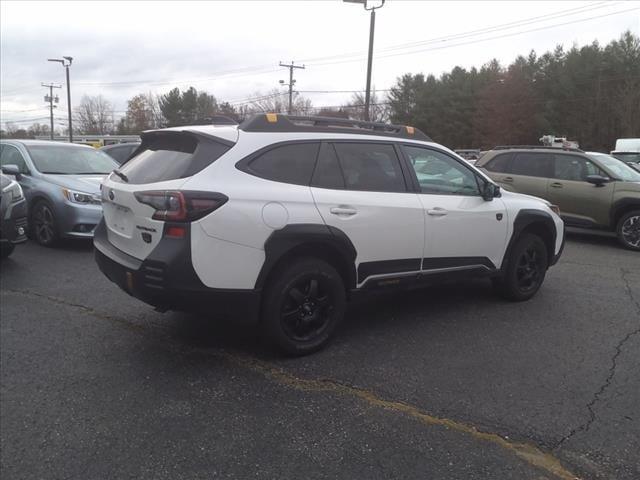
{"x":322,"y":301}
{"x":291,"y":315}
{"x":297,"y":295}
{"x":313,"y":288}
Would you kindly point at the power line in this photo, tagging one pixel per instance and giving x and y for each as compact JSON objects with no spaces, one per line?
{"x":258,"y":69}
{"x":482,"y":39}
{"x":504,"y":26}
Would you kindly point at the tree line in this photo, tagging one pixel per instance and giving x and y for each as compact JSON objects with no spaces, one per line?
{"x":589,"y":94}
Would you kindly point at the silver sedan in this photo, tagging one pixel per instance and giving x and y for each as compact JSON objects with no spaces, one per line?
{"x":61,"y":182}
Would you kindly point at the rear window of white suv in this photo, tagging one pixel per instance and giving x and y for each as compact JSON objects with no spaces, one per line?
{"x":171,"y":155}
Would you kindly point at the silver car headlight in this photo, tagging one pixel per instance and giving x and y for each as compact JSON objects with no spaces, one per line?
{"x":15,"y":189}
{"x":81,"y":197}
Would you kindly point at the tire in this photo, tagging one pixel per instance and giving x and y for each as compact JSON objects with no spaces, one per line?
{"x":526,"y":268}
{"x":303,"y":304}
{"x":44,"y":229}
{"x":6,"y":249}
{"x":628,"y":230}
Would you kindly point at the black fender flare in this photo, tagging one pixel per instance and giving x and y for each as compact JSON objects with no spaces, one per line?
{"x":524,"y":219}
{"x":292,"y":237}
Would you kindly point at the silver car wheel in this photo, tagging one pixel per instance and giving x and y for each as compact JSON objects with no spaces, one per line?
{"x":631,"y":231}
{"x":44,"y":225}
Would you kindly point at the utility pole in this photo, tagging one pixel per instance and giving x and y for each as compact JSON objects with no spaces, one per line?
{"x":50,"y":98}
{"x":372,"y":27}
{"x":290,"y":66}
{"x":66,"y":63}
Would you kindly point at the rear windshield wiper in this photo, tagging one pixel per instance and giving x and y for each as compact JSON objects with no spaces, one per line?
{"x":121,"y":175}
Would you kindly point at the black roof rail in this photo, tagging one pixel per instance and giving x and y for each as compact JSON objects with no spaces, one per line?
{"x":537,"y":147}
{"x":214,"y":120}
{"x":275,"y":122}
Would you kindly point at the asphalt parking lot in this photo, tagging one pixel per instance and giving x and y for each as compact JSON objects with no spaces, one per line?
{"x":444,"y":383}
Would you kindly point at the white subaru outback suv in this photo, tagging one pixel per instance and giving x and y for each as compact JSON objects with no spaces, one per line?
{"x":285,"y":218}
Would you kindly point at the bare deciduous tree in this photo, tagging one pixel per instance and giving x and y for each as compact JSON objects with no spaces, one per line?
{"x":378,"y":107}
{"x":277,"y":101}
{"x":94,"y":115}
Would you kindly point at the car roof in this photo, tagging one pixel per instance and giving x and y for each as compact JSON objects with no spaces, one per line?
{"x":28,"y":142}
{"x":491,"y":154}
{"x":295,"y":126}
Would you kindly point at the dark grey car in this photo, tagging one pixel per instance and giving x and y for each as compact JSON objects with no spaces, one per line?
{"x":13,"y":214}
{"x":120,"y":152}
{"x":61,"y":182}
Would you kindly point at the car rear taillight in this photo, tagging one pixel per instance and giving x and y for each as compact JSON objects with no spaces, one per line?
{"x":179,"y":206}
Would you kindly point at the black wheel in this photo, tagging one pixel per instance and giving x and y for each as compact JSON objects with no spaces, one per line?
{"x":303,"y":305}
{"x":44,"y":229}
{"x":526,"y":267}
{"x":6,"y":249}
{"x":628,"y":230}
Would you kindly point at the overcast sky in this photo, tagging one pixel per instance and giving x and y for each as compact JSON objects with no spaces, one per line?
{"x":232,"y":48}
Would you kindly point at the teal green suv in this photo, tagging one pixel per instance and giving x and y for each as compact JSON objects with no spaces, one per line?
{"x":593,"y":190}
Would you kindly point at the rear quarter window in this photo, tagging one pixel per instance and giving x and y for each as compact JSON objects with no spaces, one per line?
{"x":169,"y":156}
{"x":289,"y":163}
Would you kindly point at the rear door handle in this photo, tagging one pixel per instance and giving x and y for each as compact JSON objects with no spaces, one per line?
{"x":437,"y":212}
{"x":343,"y":211}
{"x":508,"y":179}
{"x":556,"y":185}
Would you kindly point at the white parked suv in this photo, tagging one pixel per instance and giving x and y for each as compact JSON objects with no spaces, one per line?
{"x":285,"y":218}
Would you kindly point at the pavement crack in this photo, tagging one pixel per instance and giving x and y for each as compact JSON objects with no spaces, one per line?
{"x":612,"y":369}
{"x":91,"y":311}
{"x":530,"y":453}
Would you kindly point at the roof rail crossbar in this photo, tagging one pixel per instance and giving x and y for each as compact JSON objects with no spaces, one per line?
{"x":271,"y":122}
{"x":537,"y":147}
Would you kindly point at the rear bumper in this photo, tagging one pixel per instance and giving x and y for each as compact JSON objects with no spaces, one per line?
{"x":166,"y":279}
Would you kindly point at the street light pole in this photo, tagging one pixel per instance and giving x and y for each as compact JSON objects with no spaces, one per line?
{"x":372,"y":27}
{"x":66,"y":63}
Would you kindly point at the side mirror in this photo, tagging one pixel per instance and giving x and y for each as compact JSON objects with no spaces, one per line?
{"x":490,"y":191}
{"x":12,"y":170}
{"x":597,"y":180}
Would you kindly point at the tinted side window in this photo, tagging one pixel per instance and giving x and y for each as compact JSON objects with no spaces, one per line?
{"x":328,"y":173}
{"x":572,"y":167}
{"x":293,"y":163}
{"x":532,"y":164}
{"x":499,"y":163}
{"x":11,"y":156}
{"x":440,"y":174}
{"x":371,"y":167}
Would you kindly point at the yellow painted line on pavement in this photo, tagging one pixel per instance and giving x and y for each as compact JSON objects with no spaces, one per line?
{"x":527,"y":452}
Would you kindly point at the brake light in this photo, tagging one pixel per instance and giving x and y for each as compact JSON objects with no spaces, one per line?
{"x":179,"y":206}
{"x":176,"y":232}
